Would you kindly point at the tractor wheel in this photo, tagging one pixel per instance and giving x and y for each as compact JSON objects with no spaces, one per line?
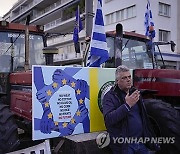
{"x":166,"y":123}
{"x":8,"y":130}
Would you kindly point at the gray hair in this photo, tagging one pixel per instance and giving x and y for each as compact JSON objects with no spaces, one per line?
{"x":120,"y":69}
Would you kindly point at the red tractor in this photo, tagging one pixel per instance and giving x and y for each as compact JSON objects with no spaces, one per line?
{"x":20,"y":48}
{"x":159,"y":85}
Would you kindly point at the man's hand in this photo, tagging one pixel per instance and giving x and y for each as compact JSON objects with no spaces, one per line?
{"x":81,"y":114}
{"x":132,"y":99}
{"x":68,"y":130}
{"x":42,"y":94}
{"x":81,"y":90}
{"x":61,"y":77}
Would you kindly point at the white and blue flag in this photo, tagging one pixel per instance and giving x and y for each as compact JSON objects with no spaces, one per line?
{"x":149,"y":24}
{"x":98,"y":46}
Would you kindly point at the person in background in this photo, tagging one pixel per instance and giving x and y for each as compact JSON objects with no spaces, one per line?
{"x":125,"y":115}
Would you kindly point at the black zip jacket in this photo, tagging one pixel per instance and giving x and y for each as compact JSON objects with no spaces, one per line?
{"x":115,"y":111}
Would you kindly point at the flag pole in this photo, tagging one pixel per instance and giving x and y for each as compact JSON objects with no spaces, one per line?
{"x":78,"y":19}
{"x":78,"y":26}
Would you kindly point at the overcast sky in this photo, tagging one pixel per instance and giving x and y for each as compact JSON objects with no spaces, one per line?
{"x":5,"y":6}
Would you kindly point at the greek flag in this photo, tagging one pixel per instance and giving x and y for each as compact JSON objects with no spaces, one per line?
{"x":149,"y":24}
{"x":98,"y":46}
{"x":77,"y":28}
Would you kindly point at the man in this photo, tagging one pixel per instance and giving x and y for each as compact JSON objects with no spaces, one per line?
{"x":125,"y":115}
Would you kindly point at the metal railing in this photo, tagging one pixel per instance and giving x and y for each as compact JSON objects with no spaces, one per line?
{"x":23,"y":9}
{"x":51,"y":8}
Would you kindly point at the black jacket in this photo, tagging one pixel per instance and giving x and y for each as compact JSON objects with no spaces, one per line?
{"x":116,"y":121}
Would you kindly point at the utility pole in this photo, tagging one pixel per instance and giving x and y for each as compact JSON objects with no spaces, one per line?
{"x":88,"y":17}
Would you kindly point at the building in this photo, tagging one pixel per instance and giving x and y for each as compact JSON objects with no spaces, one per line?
{"x":131,"y":15}
{"x":58,"y":17}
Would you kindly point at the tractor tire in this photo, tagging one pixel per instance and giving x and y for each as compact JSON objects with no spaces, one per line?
{"x":167,"y":120}
{"x":8,"y":130}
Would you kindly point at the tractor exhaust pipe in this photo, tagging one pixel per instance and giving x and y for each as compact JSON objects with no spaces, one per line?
{"x":26,"y":65}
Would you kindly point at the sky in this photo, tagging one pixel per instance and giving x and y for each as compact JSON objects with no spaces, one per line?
{"x":5,"y":6}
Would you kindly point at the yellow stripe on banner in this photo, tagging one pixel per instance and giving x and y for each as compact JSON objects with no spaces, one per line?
{"x":96,"y":117}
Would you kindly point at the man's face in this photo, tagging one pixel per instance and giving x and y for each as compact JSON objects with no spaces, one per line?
{"x":124,"y":81}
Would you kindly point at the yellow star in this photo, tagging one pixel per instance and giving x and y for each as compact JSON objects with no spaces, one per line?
{"x":55,"y":85}
{"x":47,"y":104}
{"x":56,"y":123}
{"x":64,"y":124}
{"x":73,"y":84}
{"x":78,"y":113}
{"x":73,"y":121}
{"x":49,"y":92}
{"x":64,"y":81}
{"x":50,"y":115}
{"x":78,"y":91}
{"x":81,"y":101}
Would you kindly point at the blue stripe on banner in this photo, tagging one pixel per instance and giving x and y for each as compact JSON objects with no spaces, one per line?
{"x":150,"y":14}
{"x":99,"y":52}
{"x":71,"y":71}
{"x":99,"y":37}
{"x":99,"y":56}
{"x":99,"y":19}
{"x":96,"y":63}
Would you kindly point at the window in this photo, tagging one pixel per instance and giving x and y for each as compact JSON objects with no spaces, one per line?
{"x":35,"y":49}
{"x":110,"y":18}
{"x":131,"y":12}
{"x":134,"y":53}
{"x":164,"y":35}
{"x":107,"y":17}
{"x":164,"y":9}
{"x":125,"y":13}
{"x":120,"y":15}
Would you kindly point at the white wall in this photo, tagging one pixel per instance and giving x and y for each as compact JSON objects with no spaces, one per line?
{"x":178,"y":27}
{"x":137,"y":23}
